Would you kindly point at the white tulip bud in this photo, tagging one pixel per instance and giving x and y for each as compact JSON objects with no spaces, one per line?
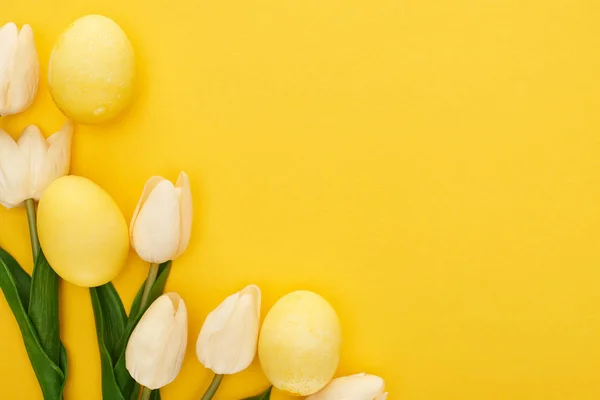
{"x":19,"y":69}
{"x":157,"y":345}
{"x":228,"y":339}
{"x":162,"y":221}
{"x":30,"y":165}
{"x":353,"y":387}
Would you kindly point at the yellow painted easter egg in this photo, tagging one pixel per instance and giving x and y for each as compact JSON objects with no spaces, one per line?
{"x":299,"y":345}
{"x":92,"y":70}
{"x":82,"y":232}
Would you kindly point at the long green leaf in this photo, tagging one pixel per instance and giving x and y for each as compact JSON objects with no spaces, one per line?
{"x":114,"y":318}
{"x":43,"y":307}
{"x":110,"y":389}
{"x":23,"y":284}
{"x":135,"y":391}
{"x":64,"y":366}
{"x":50,"y":376}
{"x":126,"y":383}
{"x":20,"y":276}
{"x":263,"y":396}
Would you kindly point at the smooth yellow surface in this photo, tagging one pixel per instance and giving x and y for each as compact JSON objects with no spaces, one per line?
{"x":431,"y":167}
{"x":299,"y":345}
{"x":82,"y":232}
{"x":92,"y":69}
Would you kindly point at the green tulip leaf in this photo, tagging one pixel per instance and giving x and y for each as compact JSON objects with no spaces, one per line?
{"x":263,"y":396}
{"x":21,"y":277}
{"x":63,"y":364}
{"x":102,"y":301}
{"x":113,"y":318}
{"x":17,"y":291}
{"x":43,"y":307}
{"x":135,"y":391}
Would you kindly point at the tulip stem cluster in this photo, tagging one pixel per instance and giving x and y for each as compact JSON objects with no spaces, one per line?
{"x":149,"y":282}
{"x":35,"y":242}
{"x":214,"y":386}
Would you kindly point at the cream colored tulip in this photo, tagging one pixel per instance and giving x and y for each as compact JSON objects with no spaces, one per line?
{"x":30,"y":165}
{"x":19,"y":69}
{"x":353,"y":387}
{"x":228,"y":339}
{"x":162,"y":222}
{"x":156,"y":347}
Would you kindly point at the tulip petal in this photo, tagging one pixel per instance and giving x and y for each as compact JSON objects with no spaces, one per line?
{"x":148,"y":188}
{"x":25,"y":73}
{"x":157,"y":225}
{"x":56,"y":162}
{"x":9,"y":37}
{"x":33,"y":147}
{"x":186,"y":209}
{"x":156,"y":348}
{"x":13,"y":172}
{"x":353,"y":387}
{"x":228,"y":339}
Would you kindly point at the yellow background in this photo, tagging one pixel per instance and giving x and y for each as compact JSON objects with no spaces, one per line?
{"x":432,"y":167}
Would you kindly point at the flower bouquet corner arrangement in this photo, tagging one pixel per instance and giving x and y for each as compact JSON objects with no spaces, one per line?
{"x":79,"y":234}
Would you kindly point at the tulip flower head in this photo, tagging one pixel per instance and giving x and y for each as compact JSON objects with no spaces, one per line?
{"x":157,"y":346}
{"x":228,"y":339}
{"x":19,"y":69}
{"x":353,"y":387}
{"x":29,"y":165}
{"x":162,"y":222}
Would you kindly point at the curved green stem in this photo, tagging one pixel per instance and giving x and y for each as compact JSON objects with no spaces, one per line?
{"x":148,"y":286}
{"x":214,"y":386}
{"x":33,"y":235}
{"x":146,"y":393}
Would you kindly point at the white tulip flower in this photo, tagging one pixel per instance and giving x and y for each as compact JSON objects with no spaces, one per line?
{"x":353,"y":387}
{"x":29,"y":165}
{"x":19,"y":69}
{"x":161,"y":226}
{"x":228,"y":339}
{"x":156,"y":348}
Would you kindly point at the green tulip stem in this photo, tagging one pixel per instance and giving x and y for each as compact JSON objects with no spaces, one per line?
{"x":214,"y":386}
{"x":33,"y":234}
{"x":149,"y":282}
{"x":146,"y":393}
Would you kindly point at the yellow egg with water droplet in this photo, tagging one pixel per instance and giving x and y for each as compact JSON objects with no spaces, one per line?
{"x":82,"y":232}
{"x":299,"y":345}
{"x":92,"y":70}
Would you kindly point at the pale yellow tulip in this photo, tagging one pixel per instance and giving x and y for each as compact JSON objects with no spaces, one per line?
{"x":162,"y":222}
{"x":353,"y":387}
{"x":30,"y":165}
{"x":157,"y":346}
{"x":228,"y":339}
{"x":19,"y":69}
